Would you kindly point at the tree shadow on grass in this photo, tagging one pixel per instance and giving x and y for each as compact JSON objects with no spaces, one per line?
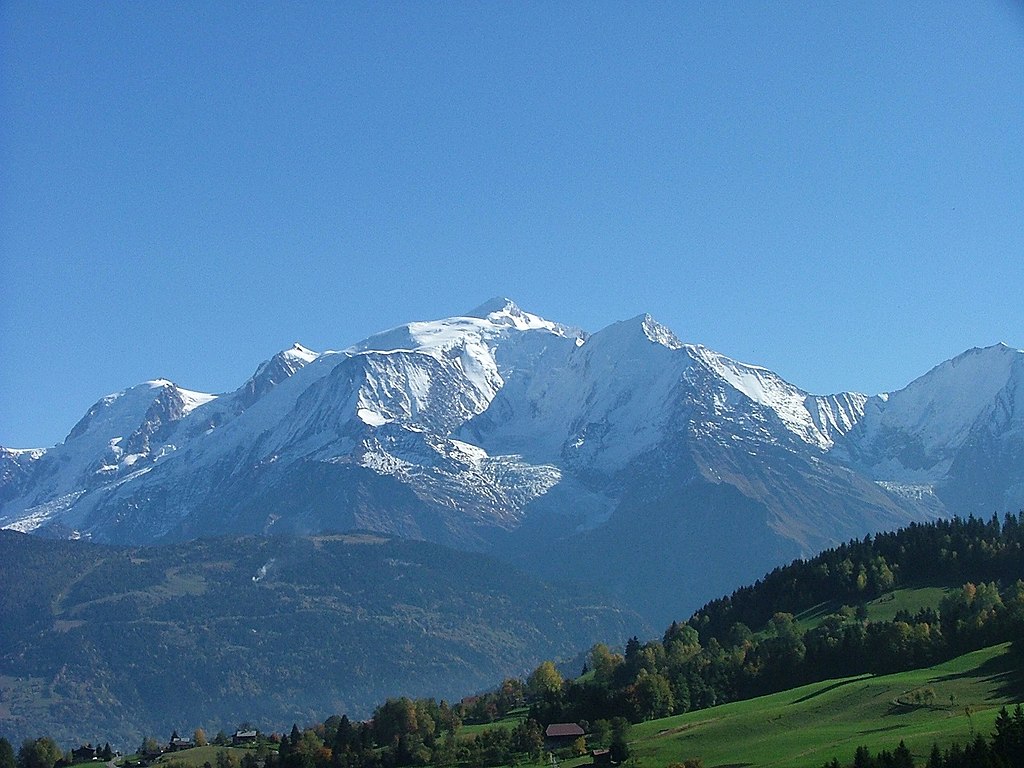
{"x":828,"y":688}
{"x":1005,"y":670}
{"x":884,"y":728}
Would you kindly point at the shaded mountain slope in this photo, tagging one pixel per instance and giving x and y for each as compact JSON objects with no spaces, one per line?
{"x":132,"y":641}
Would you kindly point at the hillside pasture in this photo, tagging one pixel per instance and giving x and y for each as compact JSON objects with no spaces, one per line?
{"x":807,"y":726}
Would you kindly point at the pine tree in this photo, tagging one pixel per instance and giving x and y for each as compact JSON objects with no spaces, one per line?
{"x":901,"y":757}
{"x":6,"y":754}
{"x":862,"y":758}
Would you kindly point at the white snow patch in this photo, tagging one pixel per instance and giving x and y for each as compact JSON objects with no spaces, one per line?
{"x":915,"y":491}
{"x":37,"y":516}
{"x":816,"y":420}
{"x":192,"y":400}
{"x":371,"y":418}
{"x":262,"y":571}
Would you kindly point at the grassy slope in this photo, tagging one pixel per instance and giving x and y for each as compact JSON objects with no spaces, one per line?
{"x":810,"y":725}
{"x":197,"y":756}
{"x":911,"y":599}
{"x":884,"y":608}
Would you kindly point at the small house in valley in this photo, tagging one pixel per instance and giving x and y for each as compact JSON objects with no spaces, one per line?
{"x":176,"y":744}
{"x":83,"y":754}
{"x":559,"y":735}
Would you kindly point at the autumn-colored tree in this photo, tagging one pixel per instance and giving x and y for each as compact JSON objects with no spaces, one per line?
{"x":39,"y":753}
{"x":544,"y":682}
{"x":579,"y":747}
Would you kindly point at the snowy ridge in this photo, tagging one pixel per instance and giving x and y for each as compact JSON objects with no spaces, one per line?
{"x":916,"y":435}
{"x":660,"y":334}
{"x":287,"y":361}
{"x":816,"y":420}
{"x":835,"y":415}
{"x":940,"y":407}
{"x":191,"y":400}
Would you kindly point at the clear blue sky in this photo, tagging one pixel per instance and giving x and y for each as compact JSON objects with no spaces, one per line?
{"x":832,"y":190}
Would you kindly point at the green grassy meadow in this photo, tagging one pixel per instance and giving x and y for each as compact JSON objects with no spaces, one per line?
{"x":912,"y":599}
{"x":808,"y":726}
{"x":198,"y":756}
{"x":509,"y":722}
{"x":884,"y":608}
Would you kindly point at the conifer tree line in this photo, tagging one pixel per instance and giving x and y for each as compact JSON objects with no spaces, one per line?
{"x":43,"y":752}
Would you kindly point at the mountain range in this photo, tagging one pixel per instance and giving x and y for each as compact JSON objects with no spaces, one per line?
{"x":666,"y":471}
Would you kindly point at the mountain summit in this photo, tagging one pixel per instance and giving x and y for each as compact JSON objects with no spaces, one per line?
{"x":673,"y":470}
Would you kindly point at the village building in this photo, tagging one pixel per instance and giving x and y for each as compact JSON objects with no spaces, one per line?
{"x":244,"y":737}
{"x":83,"y":754}
{"x":176,"y":744}
{"x":559,"y":735}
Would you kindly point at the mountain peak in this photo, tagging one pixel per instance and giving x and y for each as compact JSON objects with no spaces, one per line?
{"x":298,"y":352}
{"x":504,"y":312}
{"x":650,"y":329}
{"x":995,"y":360}
{"x":495,"y":306}
{"x":658,"y":333}
{"x":999,"y":348}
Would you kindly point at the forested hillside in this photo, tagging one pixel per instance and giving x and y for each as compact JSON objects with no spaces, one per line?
{"x":123,"y":641}
{"x":753,"y":642}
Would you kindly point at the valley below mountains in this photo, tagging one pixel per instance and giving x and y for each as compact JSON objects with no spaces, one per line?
{"x":664,"y":470}
{"x":127,"y":642}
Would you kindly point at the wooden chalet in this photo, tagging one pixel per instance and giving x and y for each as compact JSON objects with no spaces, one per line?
{"x":559,"y":735}
{"x":84,"y":754}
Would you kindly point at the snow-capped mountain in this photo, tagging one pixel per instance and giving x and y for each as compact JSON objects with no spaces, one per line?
{"x":953,"y":438}
{"x":672,"y":465}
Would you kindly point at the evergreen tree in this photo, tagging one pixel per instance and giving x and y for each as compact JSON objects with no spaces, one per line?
{"x":1008,"y":739}
{"x":901,"y":757}
{"x":862,"y":758}
{"x":6,"y":754}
